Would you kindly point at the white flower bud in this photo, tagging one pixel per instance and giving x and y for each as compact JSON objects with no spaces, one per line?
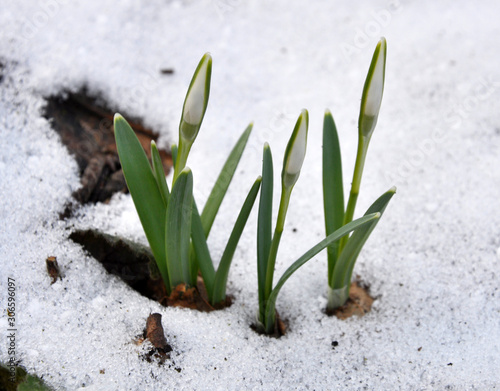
{"x":373,"y":90}
{"x":296,"y":150}
{"x":196,"y":101}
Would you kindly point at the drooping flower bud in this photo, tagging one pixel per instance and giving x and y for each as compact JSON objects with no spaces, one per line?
{"x":373,"y":91}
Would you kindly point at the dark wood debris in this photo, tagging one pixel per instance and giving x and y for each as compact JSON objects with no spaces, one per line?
{"x":53,"y":269}
{"x":155,"y":333}
{"x":85,"y":126}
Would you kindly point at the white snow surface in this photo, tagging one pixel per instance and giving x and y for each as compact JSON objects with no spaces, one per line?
{"x":432,"y":263}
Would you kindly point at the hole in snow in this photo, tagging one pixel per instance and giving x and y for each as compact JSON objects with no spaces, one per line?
{"x":85,"y":125}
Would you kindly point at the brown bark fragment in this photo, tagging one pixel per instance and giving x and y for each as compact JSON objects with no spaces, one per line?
{"x":155,"y":333}
{"x":53,"y":269}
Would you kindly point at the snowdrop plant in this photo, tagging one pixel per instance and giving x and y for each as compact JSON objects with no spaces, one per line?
{"x":268,"y":242}
{"x":177,"y":233}
{"x":342,"y":255}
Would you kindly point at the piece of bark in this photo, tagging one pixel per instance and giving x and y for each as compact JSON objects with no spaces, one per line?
{"x":53,"y":269}
{"x":155,"y":333}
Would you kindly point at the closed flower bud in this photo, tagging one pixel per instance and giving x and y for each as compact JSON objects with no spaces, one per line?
{"x":196,"y":101}
{"x":295,"y":151}
{"x":373,"y":91}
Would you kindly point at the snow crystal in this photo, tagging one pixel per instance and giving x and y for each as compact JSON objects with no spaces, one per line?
{"x":432,"y":263}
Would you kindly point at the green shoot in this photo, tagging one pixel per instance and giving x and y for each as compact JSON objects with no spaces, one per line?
{"x":370,"y":106}
{"x":145,"y":192}
{"x":176,"y":232}
{"x":343,"y":255}
{"x":267,"y":245}
{"x":270,"y":308}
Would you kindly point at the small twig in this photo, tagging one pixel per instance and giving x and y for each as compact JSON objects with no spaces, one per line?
{"x":155,"y":333}
{"x":53,"y":269}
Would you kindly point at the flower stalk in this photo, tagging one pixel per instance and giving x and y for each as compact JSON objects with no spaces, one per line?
{"x":175,"y":230}
{"x":193,"y":111}
{"x":371,"y":100}
{"x":343,"y":255}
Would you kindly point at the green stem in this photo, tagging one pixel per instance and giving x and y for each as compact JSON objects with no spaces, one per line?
{"x":278,"y":231}
{"x":356,"y":183}
{"x":182,"y":155}
{"x":337,"y":297}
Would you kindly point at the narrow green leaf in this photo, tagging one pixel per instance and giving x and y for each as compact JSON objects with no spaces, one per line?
{"x":220,"y":284}
{"x":159,"y":173}
{"x":264,"y":225}
{"x":345,"y":264}
{"x":221,"y":185}
{"x":178,"y":228}
{"x":333,"y":187}
{"x":271,"y":301}
{"x":193,"y":262}
{"x":144,"y":191}
{"x":201,"y":255}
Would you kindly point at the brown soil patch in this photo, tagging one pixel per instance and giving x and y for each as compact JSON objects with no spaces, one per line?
{"x":359,"y":302}
{"x":85,"y":125}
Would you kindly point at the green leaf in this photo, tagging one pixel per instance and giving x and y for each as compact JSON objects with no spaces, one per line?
{"x":201,"y":255}
{"x":178,"y":228}
{"x":264,"y":225}
{"x":219,"y":293}
{"x":271,"y":301}
{"x":221,"y":185}
{"x":333,"y":188}
{"x":144,"y":191}
{"x":159,"y":173}
{"x":345,"y":264}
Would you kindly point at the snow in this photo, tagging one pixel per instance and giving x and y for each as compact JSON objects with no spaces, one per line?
{"x":432,"y":262}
